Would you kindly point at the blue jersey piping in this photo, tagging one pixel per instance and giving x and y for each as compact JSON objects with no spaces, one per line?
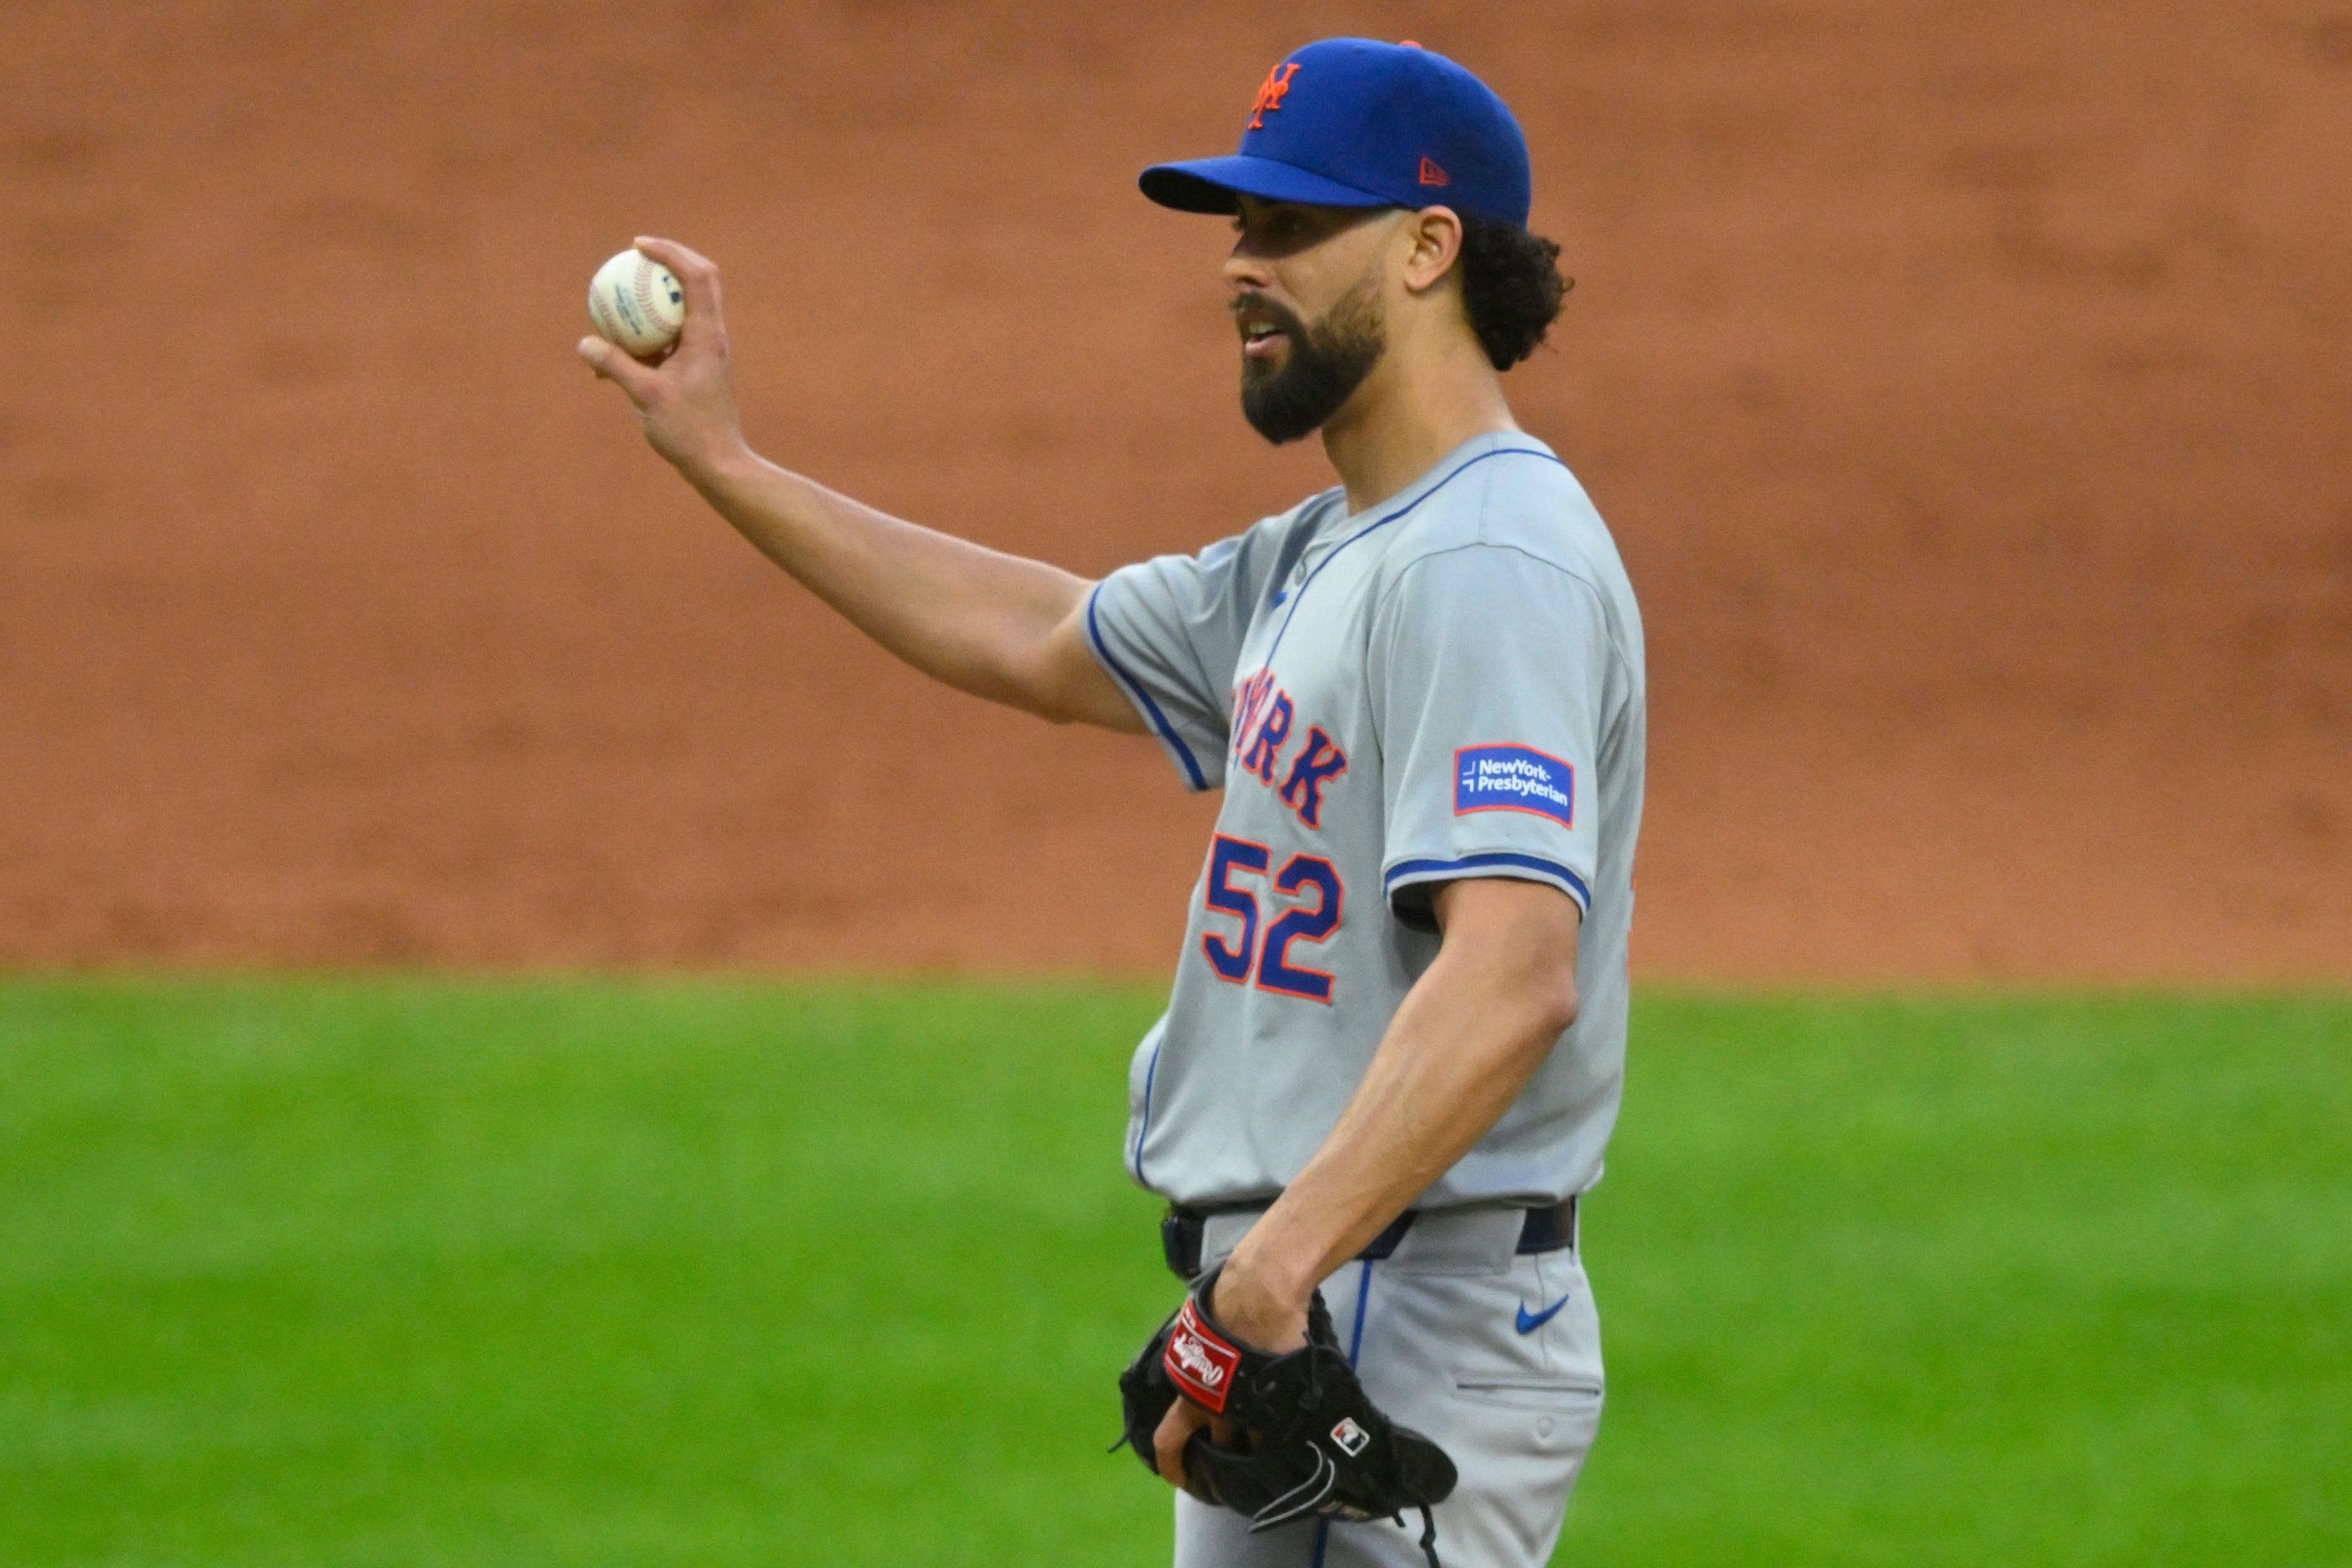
{"x":1497,"y":858}
{"x":1151,"y":1076}
{"x":1151,"y":708}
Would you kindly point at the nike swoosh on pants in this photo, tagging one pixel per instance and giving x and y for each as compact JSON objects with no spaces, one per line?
{"x":1530,"y":1321}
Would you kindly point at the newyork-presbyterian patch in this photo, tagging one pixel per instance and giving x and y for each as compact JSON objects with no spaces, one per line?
{"x":1514,"y":778}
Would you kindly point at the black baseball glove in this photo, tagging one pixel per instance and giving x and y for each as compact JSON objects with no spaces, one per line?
{"x":1309,"y":1443}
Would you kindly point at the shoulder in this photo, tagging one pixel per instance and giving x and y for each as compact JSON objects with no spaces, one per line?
{"x":1513,"y":499}
{"x":1240,"y":561}
{"x":1517,"y":538}
{"x":1267,"y":547}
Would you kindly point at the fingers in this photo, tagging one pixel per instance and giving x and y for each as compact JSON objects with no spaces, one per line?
{"x":1176,"y":1429}
{"x":611,"y":363}
{"x":698,"y":274}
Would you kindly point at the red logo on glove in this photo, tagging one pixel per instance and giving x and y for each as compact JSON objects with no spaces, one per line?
{"x":1200,"y":1363}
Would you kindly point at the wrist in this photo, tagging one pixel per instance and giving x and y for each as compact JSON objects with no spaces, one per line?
{"x":1283,"y":1254}
{"x":720,"y":468}
{"x":1262,"y":1281}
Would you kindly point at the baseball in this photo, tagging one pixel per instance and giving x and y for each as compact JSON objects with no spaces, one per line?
{"x":635,"y":303}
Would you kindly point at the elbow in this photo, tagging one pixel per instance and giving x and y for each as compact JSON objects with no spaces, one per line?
{"x":1035,"y":686}
{"x":1048,"y":709}
{"x":1547,"y":1008}
{"x":1546,"y":1011}
{"x":1551,"y":989}
{"x":1059,"y":702}
{"x":1557,"y":1002}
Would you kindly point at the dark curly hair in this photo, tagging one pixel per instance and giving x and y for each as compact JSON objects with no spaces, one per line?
{"x":1511,"y":287}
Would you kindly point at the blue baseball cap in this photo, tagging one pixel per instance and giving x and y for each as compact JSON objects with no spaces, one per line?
{"x":1354,"y":123}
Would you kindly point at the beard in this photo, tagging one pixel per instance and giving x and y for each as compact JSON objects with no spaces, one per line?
{"x":1320,"y":371}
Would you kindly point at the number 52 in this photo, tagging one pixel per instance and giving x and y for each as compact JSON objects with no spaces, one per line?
{"x":1300,"y":876}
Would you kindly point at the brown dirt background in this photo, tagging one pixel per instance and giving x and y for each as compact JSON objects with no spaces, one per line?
{"x":1967,"y":386}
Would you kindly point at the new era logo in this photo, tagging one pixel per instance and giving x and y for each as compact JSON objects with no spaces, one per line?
{"x":1431,"y":174}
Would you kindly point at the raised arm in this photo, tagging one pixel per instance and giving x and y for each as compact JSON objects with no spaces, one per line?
{"x":997,"y":625}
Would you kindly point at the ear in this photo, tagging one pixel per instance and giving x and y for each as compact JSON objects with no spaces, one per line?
{"x":1432,"y":237}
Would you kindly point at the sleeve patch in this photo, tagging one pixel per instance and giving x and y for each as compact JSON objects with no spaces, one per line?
{"x":1514,"y":778}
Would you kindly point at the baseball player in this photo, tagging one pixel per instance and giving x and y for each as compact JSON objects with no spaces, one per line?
{"x":1392,"y":1053}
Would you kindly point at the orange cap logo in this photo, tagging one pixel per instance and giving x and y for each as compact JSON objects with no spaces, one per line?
{"x":1270,"y":94}
{"x":1431,"y":174}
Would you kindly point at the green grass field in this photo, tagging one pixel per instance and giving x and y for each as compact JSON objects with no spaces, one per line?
{"x":327,"y":1273}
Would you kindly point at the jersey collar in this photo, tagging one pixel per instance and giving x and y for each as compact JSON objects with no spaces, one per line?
{"x":1442,"y":469}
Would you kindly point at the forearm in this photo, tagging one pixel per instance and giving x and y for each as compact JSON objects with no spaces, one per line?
{"x":1466,"y":1040}
{"x":987,"y":623}
{"x":976,"y":618}
{"x":1452,"y":1063}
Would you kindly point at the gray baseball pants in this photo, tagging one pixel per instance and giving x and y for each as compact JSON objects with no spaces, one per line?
{"x":1493,"y":1354}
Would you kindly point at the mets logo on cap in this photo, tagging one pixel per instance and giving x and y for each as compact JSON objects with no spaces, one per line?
{"x":1355,"y":122}
{"x":1271,"y":92}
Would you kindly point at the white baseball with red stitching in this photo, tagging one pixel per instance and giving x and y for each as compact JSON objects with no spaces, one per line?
{"x":636,"y":303}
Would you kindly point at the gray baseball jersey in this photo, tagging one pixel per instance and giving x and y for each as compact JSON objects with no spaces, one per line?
{"x":1448,"y":684}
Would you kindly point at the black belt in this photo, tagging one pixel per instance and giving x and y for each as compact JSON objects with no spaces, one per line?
{"x":1544,"y":1230}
